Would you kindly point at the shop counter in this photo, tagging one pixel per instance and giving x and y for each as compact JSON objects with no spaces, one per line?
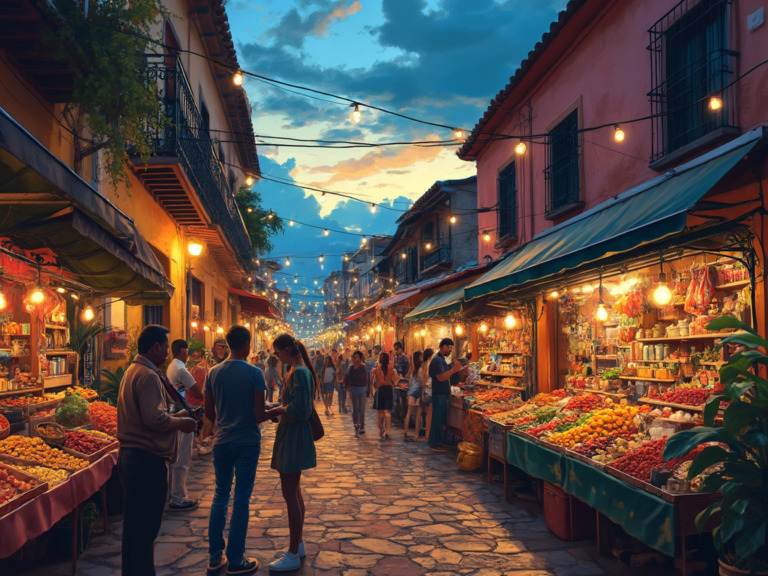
{"x":37,"y":516}
{"x":651,"y":515}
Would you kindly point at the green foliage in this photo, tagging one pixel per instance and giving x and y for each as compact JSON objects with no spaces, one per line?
{"x":109,"y":383}
{"x":260,"y":224}
{"x":738,"y":449}
{"x":72,"y":411}
{"x":195,"y":345}
{"x":105,"y":48}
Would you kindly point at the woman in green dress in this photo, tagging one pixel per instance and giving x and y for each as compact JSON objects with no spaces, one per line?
{"x":294,"y":449}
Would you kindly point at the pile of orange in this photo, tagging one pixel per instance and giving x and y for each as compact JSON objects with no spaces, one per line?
{"x":36,"y":450}
{"x":615,"y":421}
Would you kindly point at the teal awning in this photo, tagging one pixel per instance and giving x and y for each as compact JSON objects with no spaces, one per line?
{"x":647,"y":213}
{"x":442,"y":303}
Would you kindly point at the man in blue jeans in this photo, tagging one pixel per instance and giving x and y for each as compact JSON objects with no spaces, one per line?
{"x":441,"y":373}
{"x":234,"y":399}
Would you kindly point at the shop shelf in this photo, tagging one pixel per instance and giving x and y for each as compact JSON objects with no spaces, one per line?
{"x":721,"y":363}
{"x":708,"y":336}
{"x":57,"y":352}
{"x":506,"y":374}
{"x":57,"y":381}
{"x":21,"y":391}
{"x":736,"y":284}
{"x":657,"y":362}
{"x":645,"y":379}
{"x":606,"y":356}
{"x":699,"y":408}
{"x":54,"y":327}
{"x":608,"y":393}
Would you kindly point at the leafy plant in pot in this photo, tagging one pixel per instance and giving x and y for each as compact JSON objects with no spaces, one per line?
{"x":735,"y":460}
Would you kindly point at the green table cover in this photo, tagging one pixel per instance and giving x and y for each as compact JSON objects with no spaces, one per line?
{"x":535,"y":459}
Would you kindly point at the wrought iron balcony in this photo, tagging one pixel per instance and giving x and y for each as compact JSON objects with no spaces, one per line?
{"x":185,"y":143}
{"x":439,"y":255}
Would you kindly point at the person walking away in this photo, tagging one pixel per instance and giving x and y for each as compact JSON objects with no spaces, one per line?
{"x":234,"y":399}
{"x":187,"y":386}
{"x":341,"y":371}
{"x":294,"y":449}
{"x":414,"y":395}
{"x":329,"y":384}
{"x":274,"y":382}
{"x":148,"y":441}
{"x":356,"y":380}
{"x":386,"y":378}
{"x":426,"y":394}
{"x":441,"y":373}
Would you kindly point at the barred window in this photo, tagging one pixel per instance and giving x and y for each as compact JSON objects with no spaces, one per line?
{"x":507,"y":202}
{"x":562,"y":172}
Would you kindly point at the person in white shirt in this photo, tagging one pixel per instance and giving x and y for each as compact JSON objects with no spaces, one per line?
{"x":185,"y":383}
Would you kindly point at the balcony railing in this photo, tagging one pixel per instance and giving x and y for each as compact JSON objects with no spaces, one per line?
{"x":187,"y":138}
{"x":440,"y":255}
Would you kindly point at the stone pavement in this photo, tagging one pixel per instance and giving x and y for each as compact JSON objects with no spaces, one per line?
{"x":374,"y":508}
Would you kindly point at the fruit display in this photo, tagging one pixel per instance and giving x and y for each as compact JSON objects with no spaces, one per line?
{"x":22,"y":401}
{"x":693,"y":397}
{"x":584,"y":403}
{"x":4,"y":423}
{"x":639,"y":462}
{"x":72,"y":412}
{"x":615,"y":421}
{"x":86,"y":393}
{"x":83,"y":442}
{"x":10,"y":486}
{"x":36,"y":450}
{"x":104,"y":417}
{"x":44,"y":474}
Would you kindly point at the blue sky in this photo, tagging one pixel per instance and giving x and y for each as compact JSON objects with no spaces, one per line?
{"x":437,"y":60}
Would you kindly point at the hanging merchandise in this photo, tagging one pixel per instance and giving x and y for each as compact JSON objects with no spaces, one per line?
{"x":700,"y":291}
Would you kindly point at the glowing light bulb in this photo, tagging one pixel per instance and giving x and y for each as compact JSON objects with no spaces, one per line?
{"x":61,"y":290}
{"x":715,"y":103}
{"x":355,"y":116}
{"x":287,"y":261}
{"x":602,"y":313}
{"x":423,"y":332}
{"x":321,"y":258}
{"x":373,"y":208}
{"x":3,"y":301}
{"x":452,"y":219}
{"x":520,"y":148}
{"x":195,"y":248}
{"x":249,"y":210}
{"x":662,"y":295}
{"x":483,"y":327}
{"x":193,"y":324}
{"x":207,"y":328}
{"x":88,"y":313}
{"x":37,"y":296}
{"x":364,"y":240}
{"x":378,"y":328}
{"x":403,"y":255}
{"x":618,"y":133}
{"x":428,"y":245}
{"x":486,"y":236}
{"x":458,"y":330}
{"x":510,"y":321}
{"x":588,"y":289}
{"x":458,"y":133}
{"x":249,"y":180}
{"x":237,"y":80}
{"x":291,"y":222}
{"x":326,"y":232}
{"x":219,"y":330}
{"x":270,"y":216}
{"x":554,"y":294}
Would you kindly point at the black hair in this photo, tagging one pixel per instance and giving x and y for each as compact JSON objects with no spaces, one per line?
{"x":177,"y":346}
{"x":428,"y":353}
{"x":150,"y":335}
{"x":295,"y":348}
{"x":445,"y":342}
{"x":384,"y":362}
{"x":238,"y":337}
{"x":398,"y":345}
{"x":358,"y":353}
{"x":417,"y":360}
{"x":272,"y":362}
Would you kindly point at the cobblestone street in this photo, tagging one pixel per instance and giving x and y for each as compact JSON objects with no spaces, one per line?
{"x":373,"y":508}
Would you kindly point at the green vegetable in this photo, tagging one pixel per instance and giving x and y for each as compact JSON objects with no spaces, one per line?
{"x":72,"y":412}
{"x":611,"y":373}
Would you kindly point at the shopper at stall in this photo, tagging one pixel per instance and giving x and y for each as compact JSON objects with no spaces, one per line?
{"x":148,"y":441}
{"x":356,"y":380}
{"x":440,"y":373}
{"x":294,"y":449}
{"x":328,"y":378}
{"x":385,"y":379}
{"x":414,"y":395}
{"x":426,"y":394}
{"x":188,"y":387}
{"x":234,"y":399}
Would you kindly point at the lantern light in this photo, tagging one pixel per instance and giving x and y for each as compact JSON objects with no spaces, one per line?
{"x":520,"y":148}
{"x":458,"y":330}
{"x":618,"y":133}
{"x":483,"y":327}
{"x":249,"y":180}
{"x":195,"y":248}
{"x":238,"y":78}
{"x":355,"y":116}
{"x":510,"y":321}
{"x":662,"y":295}
{"x":452,"y":219}
{"x":486,"y":236}
{"x":715,"y":103}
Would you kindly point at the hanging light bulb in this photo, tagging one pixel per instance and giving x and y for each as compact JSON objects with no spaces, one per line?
{"x":423,"y":332}
{"x":554,"y":295}
{"x":270,"y":215}
{"x":373,"y":208}
{"x":249,"y":210}
{"x":193,"y":323}
{"x":428,"y":245}
{"x":458,"y":330}
{"x":715,"y":103}
{"x":378,"y":328}
{"x":237,"y":80}
{"x":486,"y":236}
{"x":520,"y":148}
{"x":287,"y":261}
{"x":3,"y":301}
{"x":219,"y":330}
{"x":326,"y":232}
{"x":88,"y":313}
{"x":403,"y":255}
{"x":321,"y":258}
{"x":452,"y":219}
{"x":61,"y":290}
{"x":249,"y":180}
{"x":74,"y":296}
{"x":662,"y":295}
{"x":458,"y":133}
{"x":618,"y":133}
{"x":291,"y":222}
{"x":355,"y":116}
{"x":510,"y":321}
{"x":602,"y":313}
{"x":194,"y":247}
{"x":483,"y":327}
{"x":206,"y":328}
{"x":364,"y":241}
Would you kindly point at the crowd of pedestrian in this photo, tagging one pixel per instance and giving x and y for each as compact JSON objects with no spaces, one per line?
{"x":160,"y":425}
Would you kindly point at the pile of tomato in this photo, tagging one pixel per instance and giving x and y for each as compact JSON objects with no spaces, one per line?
{"x":641,"y":461}
{"x":693,"y":397}
{"x":585,"y":403}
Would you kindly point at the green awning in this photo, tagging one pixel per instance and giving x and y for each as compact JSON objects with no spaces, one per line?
{"x":647,"y":213}
{"x":442,"y":303}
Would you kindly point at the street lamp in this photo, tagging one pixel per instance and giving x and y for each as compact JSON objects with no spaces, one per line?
{"x":194,"y":249}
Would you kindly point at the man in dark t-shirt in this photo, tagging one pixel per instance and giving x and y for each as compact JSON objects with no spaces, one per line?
{"x":440,"y":373}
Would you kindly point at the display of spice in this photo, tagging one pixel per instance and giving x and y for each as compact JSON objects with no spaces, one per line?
{"x":36,"y":450}
{"x":83,"y":442}
{"x":104,"y":417}
{"x":641,"y":461}
{"x":693,"y":397}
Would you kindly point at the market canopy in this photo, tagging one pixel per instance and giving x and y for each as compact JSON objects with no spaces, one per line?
{"x":396,"y":299}
{"x":46,"y":205}
{"x":254,"y":304}
{"x":438,"y":304}
{"x":647,"y":213}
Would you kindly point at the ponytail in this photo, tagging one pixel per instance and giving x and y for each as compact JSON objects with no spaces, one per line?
{"x":307,"y":361}
{"x":295,"y":349}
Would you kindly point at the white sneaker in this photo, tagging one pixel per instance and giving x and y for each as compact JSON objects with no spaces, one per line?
{"x":302,"y":552}
{"x":288,"y":563}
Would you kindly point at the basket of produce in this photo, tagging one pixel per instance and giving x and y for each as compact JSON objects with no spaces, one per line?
{"x":87,"y":445}
{"x":51,"y":432}
{"x":73,"y":412}
{"x":470,"y":456}
{"x":5,"y":427}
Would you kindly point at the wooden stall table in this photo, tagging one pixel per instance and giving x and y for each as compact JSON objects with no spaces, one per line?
{"x":36,"y":517}
{"x":457,"y":412}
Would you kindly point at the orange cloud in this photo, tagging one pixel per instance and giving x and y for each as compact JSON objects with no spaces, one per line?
{"x":339,"y":13}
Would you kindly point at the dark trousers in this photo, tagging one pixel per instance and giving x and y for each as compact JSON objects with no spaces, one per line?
{"x":144,"y":478}
{"x":439,"y":419}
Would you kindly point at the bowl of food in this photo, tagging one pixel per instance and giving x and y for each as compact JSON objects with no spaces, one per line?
{"x":51,"y":433}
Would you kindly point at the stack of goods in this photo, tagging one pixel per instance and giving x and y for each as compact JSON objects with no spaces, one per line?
{"x":526,"y":414}
{"x":36,"y":451}
{"x":4,"y":425}
{"x":86,"y":442}
{"x":11,"y":486}
{"x":692,"y":397}
{"x":104,"y":417}
{"x":86,"y":393}
{"x":44,"y":474}
{"x":616,"y":422}
{"x":495,"y":400}
{"x":22,"y":401}
{"x":608,"y":449}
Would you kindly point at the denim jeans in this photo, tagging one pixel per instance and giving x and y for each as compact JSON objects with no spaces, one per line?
{"x":439,"y":418}
{"x":240,"y":461}
{"x":144,"y":478}
{"x":342,"y":398}
{"x":358,"y":395}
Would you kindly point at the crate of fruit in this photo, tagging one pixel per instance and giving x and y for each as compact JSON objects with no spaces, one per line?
{"x":16,"y":488}
{"x":5,"y":427}
{"x":84,"y":444}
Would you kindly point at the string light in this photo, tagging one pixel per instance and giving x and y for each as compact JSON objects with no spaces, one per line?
{"x":355,"y":116}
{"x":452,"y":219}
{"x":662,"y":295}
{"x":618,"y":133}
{"x":403,"y":255}
{"x":715,"y":103}
{"x":249,"y":180}
{"x":428,"y":245}
{"x":458,"y":330}
{"x":364,"y":241}
{"x":238,"y":78}
{"x":458,"y":133}
{"x":486,"y":236}
{"x":483,"y":327}
{"x":193,"y":323}
{"x":88,"y":313}
{"x":510,"y":321}
{"x":373,"y":208}
{"x":291,"y":222}
{"x":326,"y":232}
{"x":321,"y":258}
{"x":287,"y":261}
{"x":520,"y":148}
{"x":270,"y":215}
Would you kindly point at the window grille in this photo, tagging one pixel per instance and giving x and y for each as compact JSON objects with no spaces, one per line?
{"x":562,"y":172}
{"x":507,"y":202}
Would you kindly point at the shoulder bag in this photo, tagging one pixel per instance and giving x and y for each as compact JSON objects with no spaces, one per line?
{"x":316,"y":425}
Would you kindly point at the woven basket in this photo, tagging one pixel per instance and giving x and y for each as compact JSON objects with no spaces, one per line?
{"x":57,"y":440}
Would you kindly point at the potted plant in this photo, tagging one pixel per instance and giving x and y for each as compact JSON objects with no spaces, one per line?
{"x":735,"y":460}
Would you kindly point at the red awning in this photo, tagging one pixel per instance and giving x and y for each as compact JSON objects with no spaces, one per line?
{"x":255,"y":304}
{"x":396,"y":298}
